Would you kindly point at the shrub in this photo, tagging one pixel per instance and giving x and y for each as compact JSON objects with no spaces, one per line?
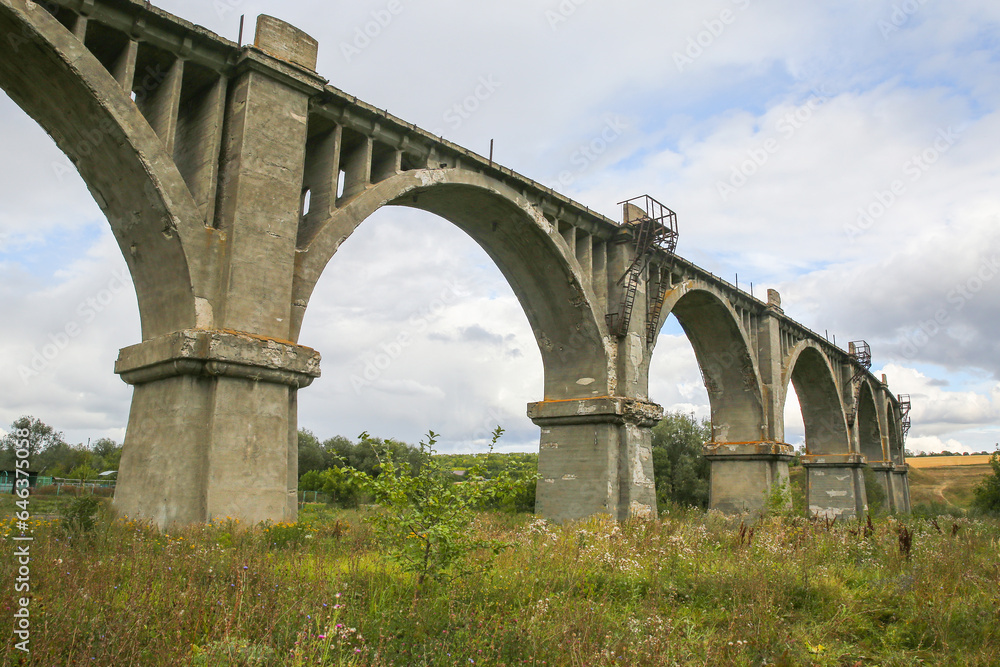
{"x":426,"y":517}
{"x":987,"y":491}
{"x":81,"y":514}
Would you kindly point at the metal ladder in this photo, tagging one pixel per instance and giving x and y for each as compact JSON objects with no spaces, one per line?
{"x":654,"y":226}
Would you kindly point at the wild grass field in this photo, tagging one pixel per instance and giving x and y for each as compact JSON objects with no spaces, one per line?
{"x":948,"y":485}
{"x":691,"y":588}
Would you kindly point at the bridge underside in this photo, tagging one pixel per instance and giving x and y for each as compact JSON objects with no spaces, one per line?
{"x":203,"y":153}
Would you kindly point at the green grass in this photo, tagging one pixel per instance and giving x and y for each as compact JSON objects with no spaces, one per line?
{"x":690,"y":589}
{"x":47,"y":506}
{"x":950,"y":486}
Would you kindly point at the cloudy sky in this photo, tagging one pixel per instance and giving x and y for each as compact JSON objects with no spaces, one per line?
{"x":845,"y":153}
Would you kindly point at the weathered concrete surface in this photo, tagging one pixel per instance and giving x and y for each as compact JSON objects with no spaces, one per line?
{"x":745,"y":474}
{"x":883,"y":476}
{"x":835,"y":486}
{"x":203,"y":155}
{"x":901,"y":488}
{"x":232,"y":390}
{"x":580,"y":473}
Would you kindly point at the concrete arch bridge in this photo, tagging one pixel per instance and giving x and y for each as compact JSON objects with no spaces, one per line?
{"x":231,"y":174}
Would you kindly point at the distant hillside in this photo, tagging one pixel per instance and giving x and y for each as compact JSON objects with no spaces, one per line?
{"x":949,"y":484}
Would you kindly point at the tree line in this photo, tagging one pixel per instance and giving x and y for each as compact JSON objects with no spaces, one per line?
{"x":681,"y":472}
{"x":49,"y":454}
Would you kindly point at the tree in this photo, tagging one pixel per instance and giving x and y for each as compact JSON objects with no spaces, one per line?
{"x":311,"y":454}
{"x":34,"y":435}
{"x":680,"y":470}
{"x":108,"y":454}
{"x":987,"y":491}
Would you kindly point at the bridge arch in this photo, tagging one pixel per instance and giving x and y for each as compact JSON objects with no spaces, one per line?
{"x":809,"y":371}
{"x":723,"y":351}
{"x":869,"y":429}
{"x":122,"y":161}
{"x":894,"y":435}
{"x":540,"y":268}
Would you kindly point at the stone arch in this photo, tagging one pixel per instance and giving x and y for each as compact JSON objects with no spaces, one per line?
{"x":577,"y":353}
{"x":728,"y":368}
{"x":868,"y":428}
{"x":894,"y":433}
{"x":120,"y":158}
{"x":810,"y":372}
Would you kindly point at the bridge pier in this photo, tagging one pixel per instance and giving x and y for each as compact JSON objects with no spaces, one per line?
{"x":743,"y":474}
{"x":835,"y":485}
{"x":900,"y":482}
{"x":595,"y":457}
{"x":212,"y":428}
{"x":883,"y":474}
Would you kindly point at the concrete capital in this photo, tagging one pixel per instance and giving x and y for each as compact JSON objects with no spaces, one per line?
{"x":887,"y":466}
{"x":604,"y":409}
{"x":833,"y":460}
{"x":748,"y":451}
{"x":218,"y":353}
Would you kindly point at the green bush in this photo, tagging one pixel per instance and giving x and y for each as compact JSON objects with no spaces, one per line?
{"x":987,"y":492}
{"x":80,"y":515}
{"x":426,"y":516}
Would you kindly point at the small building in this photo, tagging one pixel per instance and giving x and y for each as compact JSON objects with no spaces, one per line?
{"x":8,"y":477}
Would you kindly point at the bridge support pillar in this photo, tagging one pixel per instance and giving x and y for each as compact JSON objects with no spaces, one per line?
{"x":212,"y":428}
{"x":835,"y":485}
{"x":901,"y":488}
{"x":884,"y":476}
{"x":595,"y":457}
{"x":743,"y":473}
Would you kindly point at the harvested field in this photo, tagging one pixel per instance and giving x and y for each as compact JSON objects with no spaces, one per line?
{"x":944,"y":461}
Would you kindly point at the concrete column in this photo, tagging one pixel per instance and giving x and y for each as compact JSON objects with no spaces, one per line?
{"x":769,"y":358}
{"x":212,"y":430}
{"x":883,"y":473}
{"x":595,"y":458}
{"x":743,"y":474}
{"x":901,"y":488}
{"x":835,"y":485}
